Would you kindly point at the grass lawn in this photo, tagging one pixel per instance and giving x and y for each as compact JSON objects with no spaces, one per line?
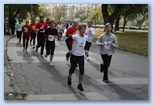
{"x":135,"y":41}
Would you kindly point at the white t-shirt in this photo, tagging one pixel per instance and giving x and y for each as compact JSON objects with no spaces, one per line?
{"x":60,"y":27}
{"x":78,"y":45}
{"x":89,"y":33}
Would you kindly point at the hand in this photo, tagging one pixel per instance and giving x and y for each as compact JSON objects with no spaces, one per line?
{"x":111,"y":43}
{"x":86,"y":52}
{"x":49,"y":36}
{"x":70,"y":52}
{"x":102,"y":44}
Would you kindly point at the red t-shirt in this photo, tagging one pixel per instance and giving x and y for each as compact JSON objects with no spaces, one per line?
{"x":41,"y":24}
{"x":32,"y":26}
{"x":26,"y":30}
{"x":71,"y":30}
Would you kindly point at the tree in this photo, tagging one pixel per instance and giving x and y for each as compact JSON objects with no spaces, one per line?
{"x":132,"y":11}
{"x":58,"y":12}
{"x":110,"y":16}
{"x":20,"y":11}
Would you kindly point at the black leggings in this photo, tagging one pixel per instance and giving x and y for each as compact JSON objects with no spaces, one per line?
{"x":25,"y":38}
{"x":40,"y":42}
{"x":77,"y":60}
{"x":19,"y":33}
{"x":50,"y":47}
{"x":107,"y":60}
{"x":33,"y":36}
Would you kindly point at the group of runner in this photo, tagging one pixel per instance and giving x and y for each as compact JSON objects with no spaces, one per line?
{"x":78,"y":41}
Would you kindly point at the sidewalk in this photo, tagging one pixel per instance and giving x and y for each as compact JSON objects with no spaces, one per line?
{"x":34,"y":79}
{"x":10,"y":92}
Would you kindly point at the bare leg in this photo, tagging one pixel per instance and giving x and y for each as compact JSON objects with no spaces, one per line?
{"x":80,"y":78}
{"x":51,"y":57}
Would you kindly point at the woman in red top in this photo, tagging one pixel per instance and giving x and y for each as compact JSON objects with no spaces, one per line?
{"x":26,"y":33}
{"x":33,"y":32}
{"x":71,"y":31}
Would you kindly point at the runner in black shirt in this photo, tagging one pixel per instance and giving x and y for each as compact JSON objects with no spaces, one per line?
{"x":51,"y":34}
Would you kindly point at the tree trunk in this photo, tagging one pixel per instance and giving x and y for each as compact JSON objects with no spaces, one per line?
{"x":117,"y":23}
{"x":124,"y":23}
{"x":110,"y":18}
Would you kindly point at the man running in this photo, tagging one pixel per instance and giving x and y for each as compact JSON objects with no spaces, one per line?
{"x":51,"y":33}
{"x":71,"y":31}
{"x":41,"y":26}
{"x":33,"y":32}
{"x":26,"y":33}
{"x":19,"y":30}
{"x":90,"y":32}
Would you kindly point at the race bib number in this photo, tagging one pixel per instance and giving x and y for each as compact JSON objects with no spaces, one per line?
{"x":107,"y":45}
{"x":80,"y":46}
{"x":51,"y":37}
{"x":19,"y":29}
{"x":33,"y":27}
{"x":25,"y":29}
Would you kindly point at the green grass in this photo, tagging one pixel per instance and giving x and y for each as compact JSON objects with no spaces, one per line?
{"x":135,"y":41}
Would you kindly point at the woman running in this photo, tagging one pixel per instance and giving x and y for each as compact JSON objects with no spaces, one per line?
{"x":77,"y":55}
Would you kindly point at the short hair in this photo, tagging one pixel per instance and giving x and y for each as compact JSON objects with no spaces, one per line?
{"x":41,"y":17}
{"x":107,"y":24}
{"x":52,"y":21}
{"x":82,"y":25}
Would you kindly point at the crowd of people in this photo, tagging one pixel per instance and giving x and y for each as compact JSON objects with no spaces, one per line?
{"x":78,"y":42}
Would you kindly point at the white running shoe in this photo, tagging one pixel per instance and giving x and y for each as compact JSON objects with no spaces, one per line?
{"x":51,"y":64}
{"x":87,"y":59}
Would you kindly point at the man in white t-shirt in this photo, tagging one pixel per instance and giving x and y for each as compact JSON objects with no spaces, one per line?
{"x":90,"y":32}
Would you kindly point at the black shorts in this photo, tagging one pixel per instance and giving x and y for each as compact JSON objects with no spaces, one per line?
{"x":77,"y":60}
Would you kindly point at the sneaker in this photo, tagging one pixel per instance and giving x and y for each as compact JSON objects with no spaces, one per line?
{"x":106,"y":81}
{"x":87,"y":59}
{"x":101,"y":67}
{"x":51,"y":64}
{"x":67,"y":56}
{"x":69,"y":81}
{"x":41,"y":56}
{"x":36,"y":49}
{"x":80,"y":87}
{"x":33,"y":47}
{"x":46,"y":56}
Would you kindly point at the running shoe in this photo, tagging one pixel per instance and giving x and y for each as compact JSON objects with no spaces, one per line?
{"x":80,"y":87}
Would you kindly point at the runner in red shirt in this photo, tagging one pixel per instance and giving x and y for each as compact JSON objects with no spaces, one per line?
{"x":26,"y":33}
{"x":33,"y":32}
{"x":41,"y":26}
{"x":71,"y":31}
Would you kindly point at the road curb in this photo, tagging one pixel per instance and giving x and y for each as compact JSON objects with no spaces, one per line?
{"x":17,"y":93}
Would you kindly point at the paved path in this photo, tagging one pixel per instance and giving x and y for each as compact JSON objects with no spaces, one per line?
{"x":128,"y":75}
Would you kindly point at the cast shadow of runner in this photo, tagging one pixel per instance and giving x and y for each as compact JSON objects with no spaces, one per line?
{"x":79,"y":95}
{"x":123,"y":94}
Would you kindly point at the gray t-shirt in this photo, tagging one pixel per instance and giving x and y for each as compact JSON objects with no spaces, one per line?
{"x":107,"y":39}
